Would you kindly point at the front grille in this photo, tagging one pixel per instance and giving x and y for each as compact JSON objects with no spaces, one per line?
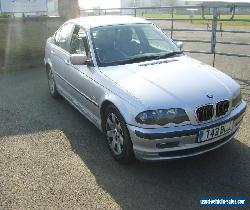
{"x":205,"y":113}
{"x":222,"y":108}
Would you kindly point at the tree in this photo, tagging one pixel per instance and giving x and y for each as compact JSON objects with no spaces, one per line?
{"x":68,"y":9}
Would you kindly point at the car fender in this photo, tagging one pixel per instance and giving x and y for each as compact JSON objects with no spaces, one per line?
{"x":126,"y":108}
{"x":48,"y":62}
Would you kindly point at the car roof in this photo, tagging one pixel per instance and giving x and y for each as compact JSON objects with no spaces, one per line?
{"x":104,"y":20}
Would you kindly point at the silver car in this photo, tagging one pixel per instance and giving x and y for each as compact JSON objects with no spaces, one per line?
{"x":136,"y":85}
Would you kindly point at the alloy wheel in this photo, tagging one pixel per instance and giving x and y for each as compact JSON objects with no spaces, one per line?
{"x":115,"y":135}
{"x":51,"y":82}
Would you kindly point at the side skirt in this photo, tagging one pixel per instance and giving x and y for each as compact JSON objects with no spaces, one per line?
{"x":79,"y":107}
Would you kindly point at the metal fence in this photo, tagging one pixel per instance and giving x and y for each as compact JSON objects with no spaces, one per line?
{"x":211,"y":14}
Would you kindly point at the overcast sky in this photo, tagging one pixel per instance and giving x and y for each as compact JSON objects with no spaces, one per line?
{"x":116,"y":3}
{"x":231,"y":1}
{"x":101,"y":3}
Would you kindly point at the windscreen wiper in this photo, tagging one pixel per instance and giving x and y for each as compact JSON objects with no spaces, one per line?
{"x":168,"y":55}
{"x":147,"y":58}
{"x":138,"y":59}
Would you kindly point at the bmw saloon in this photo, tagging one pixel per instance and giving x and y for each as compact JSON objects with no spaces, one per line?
{"x":137,"y":86}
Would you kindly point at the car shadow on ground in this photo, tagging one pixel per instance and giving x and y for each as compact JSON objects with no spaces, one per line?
{"x":174,"y":184}
{"x":166,"y":185}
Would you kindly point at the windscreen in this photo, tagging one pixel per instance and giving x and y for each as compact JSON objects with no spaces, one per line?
{"x":129,"y":43}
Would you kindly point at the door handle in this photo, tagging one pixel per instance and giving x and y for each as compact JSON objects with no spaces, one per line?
{"x":53,"y":52}
{"x":66,"y":61}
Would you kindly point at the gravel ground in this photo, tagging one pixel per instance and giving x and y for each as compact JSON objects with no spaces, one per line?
{"x":51,"y":157}
{"x":40,"y":167}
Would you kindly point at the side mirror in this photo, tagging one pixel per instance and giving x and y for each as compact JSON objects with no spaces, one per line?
{"x":79,"y":59}
{"x":179,"y":45}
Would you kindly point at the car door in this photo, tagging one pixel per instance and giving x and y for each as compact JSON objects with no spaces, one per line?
{"x":81,"y":78}
{"x":61,"y":56}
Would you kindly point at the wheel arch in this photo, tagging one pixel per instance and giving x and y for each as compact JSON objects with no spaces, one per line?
{"x":119,"y":104}
{"x":48,"y":65}
{"x":128,"y":155}
{"x":104,"y":106}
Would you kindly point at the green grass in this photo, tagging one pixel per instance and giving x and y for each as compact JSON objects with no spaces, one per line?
{"x":231,"y":23}
{"x":3,"y":15}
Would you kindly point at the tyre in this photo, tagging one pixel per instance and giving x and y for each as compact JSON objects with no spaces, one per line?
{"x":117,"y":135}
{"x":52,"y":84}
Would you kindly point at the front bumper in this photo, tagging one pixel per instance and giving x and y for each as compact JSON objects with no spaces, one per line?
{"x":178,"y":142}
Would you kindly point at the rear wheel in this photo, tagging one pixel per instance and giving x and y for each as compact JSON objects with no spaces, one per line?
{"x":117,"y":135}
{"x":52,"y":84}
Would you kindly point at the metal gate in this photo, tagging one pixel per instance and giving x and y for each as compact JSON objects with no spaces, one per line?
{"x":210,"y":14}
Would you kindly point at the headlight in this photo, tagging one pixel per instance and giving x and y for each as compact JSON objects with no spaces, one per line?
{"x":162,"y":116}
{"x":236,"y":100}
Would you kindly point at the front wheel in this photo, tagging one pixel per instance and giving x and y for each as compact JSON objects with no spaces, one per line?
{"x":117,"y":135}
{"x":52,"y":84}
